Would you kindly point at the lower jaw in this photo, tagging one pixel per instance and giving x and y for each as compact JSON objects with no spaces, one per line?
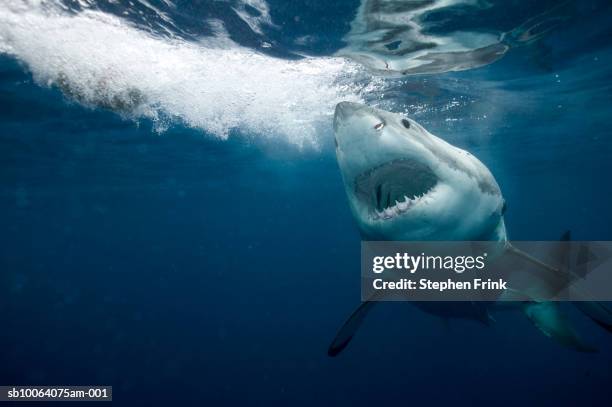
{"x":399,"y":209}
{"x":389,"y":213}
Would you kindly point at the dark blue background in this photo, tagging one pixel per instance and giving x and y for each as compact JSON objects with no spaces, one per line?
{"x":183,"y":270}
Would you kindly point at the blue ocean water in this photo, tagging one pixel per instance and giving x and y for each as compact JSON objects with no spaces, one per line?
{"x":197,"y":248}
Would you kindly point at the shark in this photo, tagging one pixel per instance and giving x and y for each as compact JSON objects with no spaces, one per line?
{"x":405,"y":184}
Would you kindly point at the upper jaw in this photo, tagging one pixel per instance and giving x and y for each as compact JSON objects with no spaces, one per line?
{"x":400,"y":207}
{"x":393,"y":188}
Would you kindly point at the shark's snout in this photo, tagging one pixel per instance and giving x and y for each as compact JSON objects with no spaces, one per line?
{"x":344,"y":110}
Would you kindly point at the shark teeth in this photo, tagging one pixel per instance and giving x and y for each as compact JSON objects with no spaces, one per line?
{"x":397,"y":209}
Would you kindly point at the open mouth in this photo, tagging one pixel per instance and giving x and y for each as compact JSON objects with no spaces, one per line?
{"x":394,"y":187}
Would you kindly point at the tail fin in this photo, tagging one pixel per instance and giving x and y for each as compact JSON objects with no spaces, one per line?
{"x":547,"y":316}
{"x":585,"y":260}
{"x":598,"y":311}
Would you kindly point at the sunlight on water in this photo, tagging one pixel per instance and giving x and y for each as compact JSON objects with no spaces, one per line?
{"x":138,"y":62}
{"x":214,"y":85}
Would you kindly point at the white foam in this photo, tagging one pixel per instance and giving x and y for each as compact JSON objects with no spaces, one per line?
{"x":214,"y":85}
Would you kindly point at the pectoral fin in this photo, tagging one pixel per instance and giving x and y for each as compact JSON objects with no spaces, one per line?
{"x":350,"y":327}
{"x":549,"y":319}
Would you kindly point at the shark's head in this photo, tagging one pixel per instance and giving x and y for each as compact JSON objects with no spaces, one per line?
{"x":404,"y":183}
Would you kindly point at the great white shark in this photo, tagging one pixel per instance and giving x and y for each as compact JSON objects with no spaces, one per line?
{"x":405,"y":184}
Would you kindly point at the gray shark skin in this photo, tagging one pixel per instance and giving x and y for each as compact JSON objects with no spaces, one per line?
{"x":405,"y":184}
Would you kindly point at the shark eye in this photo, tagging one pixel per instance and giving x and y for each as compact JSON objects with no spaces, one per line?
{"x":379,"y":126}
{"x":406,"y":123}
